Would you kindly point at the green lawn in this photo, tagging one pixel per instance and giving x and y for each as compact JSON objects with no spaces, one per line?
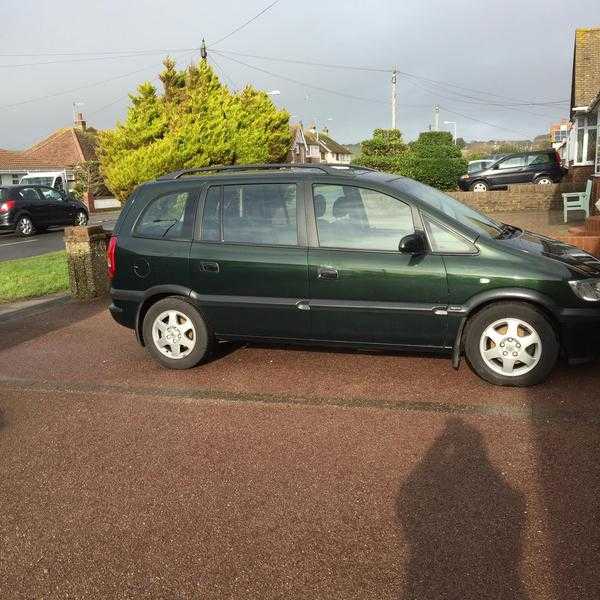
{"x":35,"y":276}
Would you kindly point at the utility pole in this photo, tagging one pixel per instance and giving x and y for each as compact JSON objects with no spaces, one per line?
{"x":394,"y":102}
{"x":436,"y":118}
{"x":203,"y":50}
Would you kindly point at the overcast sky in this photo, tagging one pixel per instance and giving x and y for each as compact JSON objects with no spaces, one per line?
{"x":514,"y":49}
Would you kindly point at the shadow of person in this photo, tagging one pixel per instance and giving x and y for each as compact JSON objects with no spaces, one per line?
{"x":463,"y":523}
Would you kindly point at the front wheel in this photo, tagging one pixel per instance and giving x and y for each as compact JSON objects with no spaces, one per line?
{"x":175,"y":334}
{"x":25,"y":226}
{"x":511,"y":344}
{"x":479,"y":186}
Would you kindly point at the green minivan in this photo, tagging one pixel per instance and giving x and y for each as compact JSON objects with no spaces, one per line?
{"x":345,"y":256}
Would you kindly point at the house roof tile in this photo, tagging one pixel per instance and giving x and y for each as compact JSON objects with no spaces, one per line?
{"x":62,"y":149}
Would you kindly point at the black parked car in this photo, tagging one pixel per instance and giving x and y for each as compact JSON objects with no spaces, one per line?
{"x":27,"y":209}
{"x":541,"y":167}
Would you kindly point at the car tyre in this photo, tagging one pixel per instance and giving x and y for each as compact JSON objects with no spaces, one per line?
{"x":25,"y":226}
{"x":511,"y":344}
{"x":543,"y":180}
{"x":479,"y":186}
{"x":176,"y":335}
{"x":81,"y":218}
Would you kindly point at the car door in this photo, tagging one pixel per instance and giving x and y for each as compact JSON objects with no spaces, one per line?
{"x":510,"y":170}
{"x":362,"y":289}
{"x":35,"y":204}
{"x":56,"y":207}
{"x":249,"y":261}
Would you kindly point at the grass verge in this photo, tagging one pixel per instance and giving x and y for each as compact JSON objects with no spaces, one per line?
{"x":31,"y":277}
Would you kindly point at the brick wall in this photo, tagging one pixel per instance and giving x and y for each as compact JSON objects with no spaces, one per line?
{"x":579,"y":173}
{"x":520,"y":197}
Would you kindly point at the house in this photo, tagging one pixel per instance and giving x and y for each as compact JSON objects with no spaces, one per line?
{"x":312,"y":146}
{"x":61,"y":150}
{"x":583,"y":148}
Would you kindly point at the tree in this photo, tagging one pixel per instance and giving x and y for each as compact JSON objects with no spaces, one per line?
{"x":196,"y":122}
{"x":435,"y":160}
{"x":88,"y":179}
{"x":383,"y":151}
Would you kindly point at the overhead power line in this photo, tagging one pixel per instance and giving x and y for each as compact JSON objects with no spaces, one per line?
{"x":91,"y":52}
{"x":81,"y":87}
{"x":453,"y":112}
{"x":262,"y":12}
{"x":94,"y":58}
{"x":390,"y":70}
{"x":301,"y":83}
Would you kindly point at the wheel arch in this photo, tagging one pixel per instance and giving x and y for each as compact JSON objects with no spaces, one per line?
{"x":152,"y":296}
{"x":481,"y":301}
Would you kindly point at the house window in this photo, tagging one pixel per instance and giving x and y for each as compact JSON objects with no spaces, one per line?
{"x":16,"y":179}
{"x":586,"y":128}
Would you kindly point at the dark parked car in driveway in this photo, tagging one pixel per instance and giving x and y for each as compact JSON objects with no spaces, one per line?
{"x":28,"y":209}
{"x":542,"y":167}
{"x":323,"y":255}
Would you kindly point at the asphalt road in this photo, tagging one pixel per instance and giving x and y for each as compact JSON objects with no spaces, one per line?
{"x":14,"y":246}
{"x":272,"y":473}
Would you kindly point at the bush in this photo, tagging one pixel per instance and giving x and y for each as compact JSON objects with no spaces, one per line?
{"x":383,"y":151}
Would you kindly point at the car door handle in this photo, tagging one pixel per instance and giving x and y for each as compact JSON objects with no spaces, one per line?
{"x":209,"y":267}
{"x":327,"y":273}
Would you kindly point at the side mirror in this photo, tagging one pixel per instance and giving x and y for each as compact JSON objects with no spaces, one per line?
{"x":413,"y":243}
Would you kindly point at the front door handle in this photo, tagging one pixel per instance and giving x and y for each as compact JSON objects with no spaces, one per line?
{"x":327,"y":273}
{"x":209,"y":267}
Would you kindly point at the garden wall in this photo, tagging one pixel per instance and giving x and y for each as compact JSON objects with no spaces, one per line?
{"x":520,"y":197}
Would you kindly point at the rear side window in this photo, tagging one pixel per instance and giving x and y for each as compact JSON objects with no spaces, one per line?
{"x":167,"y":217}
{"x":262,"y":213}
{"x":512,"y":163}
{"x":29,"y":195}
{"x":539,"y":159}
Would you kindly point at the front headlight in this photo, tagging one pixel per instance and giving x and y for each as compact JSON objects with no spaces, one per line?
{"x":587,"y":289}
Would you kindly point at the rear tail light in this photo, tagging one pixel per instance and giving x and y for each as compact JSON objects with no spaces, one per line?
{"x":110,"y":256}
{"x":6,"y":206}
{"x":557,"y":158}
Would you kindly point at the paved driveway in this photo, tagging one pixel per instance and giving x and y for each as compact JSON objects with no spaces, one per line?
{"x":286,"y":474}
{"x":15,"y":246}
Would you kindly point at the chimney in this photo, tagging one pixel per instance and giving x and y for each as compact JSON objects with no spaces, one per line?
{"x":313,"y":129}
{"x":79,"y":122}
{"x":325,"y":130}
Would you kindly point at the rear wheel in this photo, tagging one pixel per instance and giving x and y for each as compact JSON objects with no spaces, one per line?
{"x":479,"y":186}
{"x":512,"y":344}
{"x":175,"y":334}
{"x":25,"y":226}
{"x":544,"y":180}
{"x":81,"y":218}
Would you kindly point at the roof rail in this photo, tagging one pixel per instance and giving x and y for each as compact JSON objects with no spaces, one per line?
{"x":329,"y":168}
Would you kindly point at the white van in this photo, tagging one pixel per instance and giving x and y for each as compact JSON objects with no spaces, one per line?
{"x":58,"y":180}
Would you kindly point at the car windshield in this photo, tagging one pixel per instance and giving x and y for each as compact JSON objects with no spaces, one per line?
{"x":478,"y":222}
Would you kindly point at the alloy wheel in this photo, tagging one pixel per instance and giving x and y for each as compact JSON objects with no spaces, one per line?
{"x":81,"y":219}
{"x":510,"y":347}
{"x":480,"y":187}
{"x":25,"y":226}
{"x":544,"y":181}
{"x":174,"y":334}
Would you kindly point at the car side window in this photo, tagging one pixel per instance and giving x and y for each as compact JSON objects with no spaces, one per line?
{"x":29,"y":195}
{"x":263,"y":213}
{"x":444,"y":241}
{"x":167,"y":217}
{"x":350,"y":217}
{"x":538,"y":159}
{"x":50,"y":194}
{"x":512,"y":163}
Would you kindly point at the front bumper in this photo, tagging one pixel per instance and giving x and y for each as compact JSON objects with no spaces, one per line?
{"x":580,"y":334}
